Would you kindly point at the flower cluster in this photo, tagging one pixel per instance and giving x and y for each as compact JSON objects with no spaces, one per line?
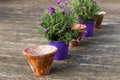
{"x":55,"y":23}
{"x":85,"y":9}
{"x":61,"y":4}
{"x":51,"y":10}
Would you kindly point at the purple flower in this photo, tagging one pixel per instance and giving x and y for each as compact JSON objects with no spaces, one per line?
{"x":40,"y":22}
{"x":94,"y":0}
{"x":67,"y":2}
{"x":50,"y":7}
{"x":51,"y":10}
{"x":58,"y":1}
{"x":67,"y":12}
{"x":83,"y":7}
{"x":45,"y":30}
{"x":85,"y":32}
{"x":60,"y":4}
{"x":78,"y":40}
{"x":38,"y":14}
{"x":63,"y":11}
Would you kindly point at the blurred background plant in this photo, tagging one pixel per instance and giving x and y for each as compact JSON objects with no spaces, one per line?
{"x":86,"y":10}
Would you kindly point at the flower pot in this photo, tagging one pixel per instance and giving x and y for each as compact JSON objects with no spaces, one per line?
{"x":76,"y":27}
{"x":89,"y":29}
{"x":99,"y":20}
{"x":82,"y":27}
{"x":62,"y":47}
{"x":40,"y":58}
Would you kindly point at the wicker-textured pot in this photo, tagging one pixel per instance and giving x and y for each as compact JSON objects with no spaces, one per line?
{"x":40,"y":58}
{"x":99,"y":20}
{"x":75,"y":27}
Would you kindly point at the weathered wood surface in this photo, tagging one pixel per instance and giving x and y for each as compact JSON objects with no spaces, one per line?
{"x":97,"y":58}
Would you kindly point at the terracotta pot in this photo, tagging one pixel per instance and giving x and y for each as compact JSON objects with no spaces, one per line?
{"x":73,"y":44}
{"x":99,"y":20}
{"x":40,"y":58}
{"x":75,"y":27}
{"x":82,"y":27}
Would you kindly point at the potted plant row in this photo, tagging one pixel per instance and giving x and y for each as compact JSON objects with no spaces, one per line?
{"x":62,"y":26}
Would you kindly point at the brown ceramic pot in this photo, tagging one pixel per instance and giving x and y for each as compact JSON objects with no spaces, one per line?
{"x":75,"y":27}
{"x":40,"y":58}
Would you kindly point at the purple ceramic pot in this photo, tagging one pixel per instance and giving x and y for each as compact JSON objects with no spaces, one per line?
{"x":89,"y":29}
{"x":62,"y":47}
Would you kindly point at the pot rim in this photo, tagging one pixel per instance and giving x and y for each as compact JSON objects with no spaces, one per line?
{"x":102,"y":13}
{"x":82,"y":26}
{"x":79,"y":26}
{"x":48,"y":53}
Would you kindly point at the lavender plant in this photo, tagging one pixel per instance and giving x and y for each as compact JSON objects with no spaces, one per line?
{"x":86,"y":10}
{"x":55,"y":24}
